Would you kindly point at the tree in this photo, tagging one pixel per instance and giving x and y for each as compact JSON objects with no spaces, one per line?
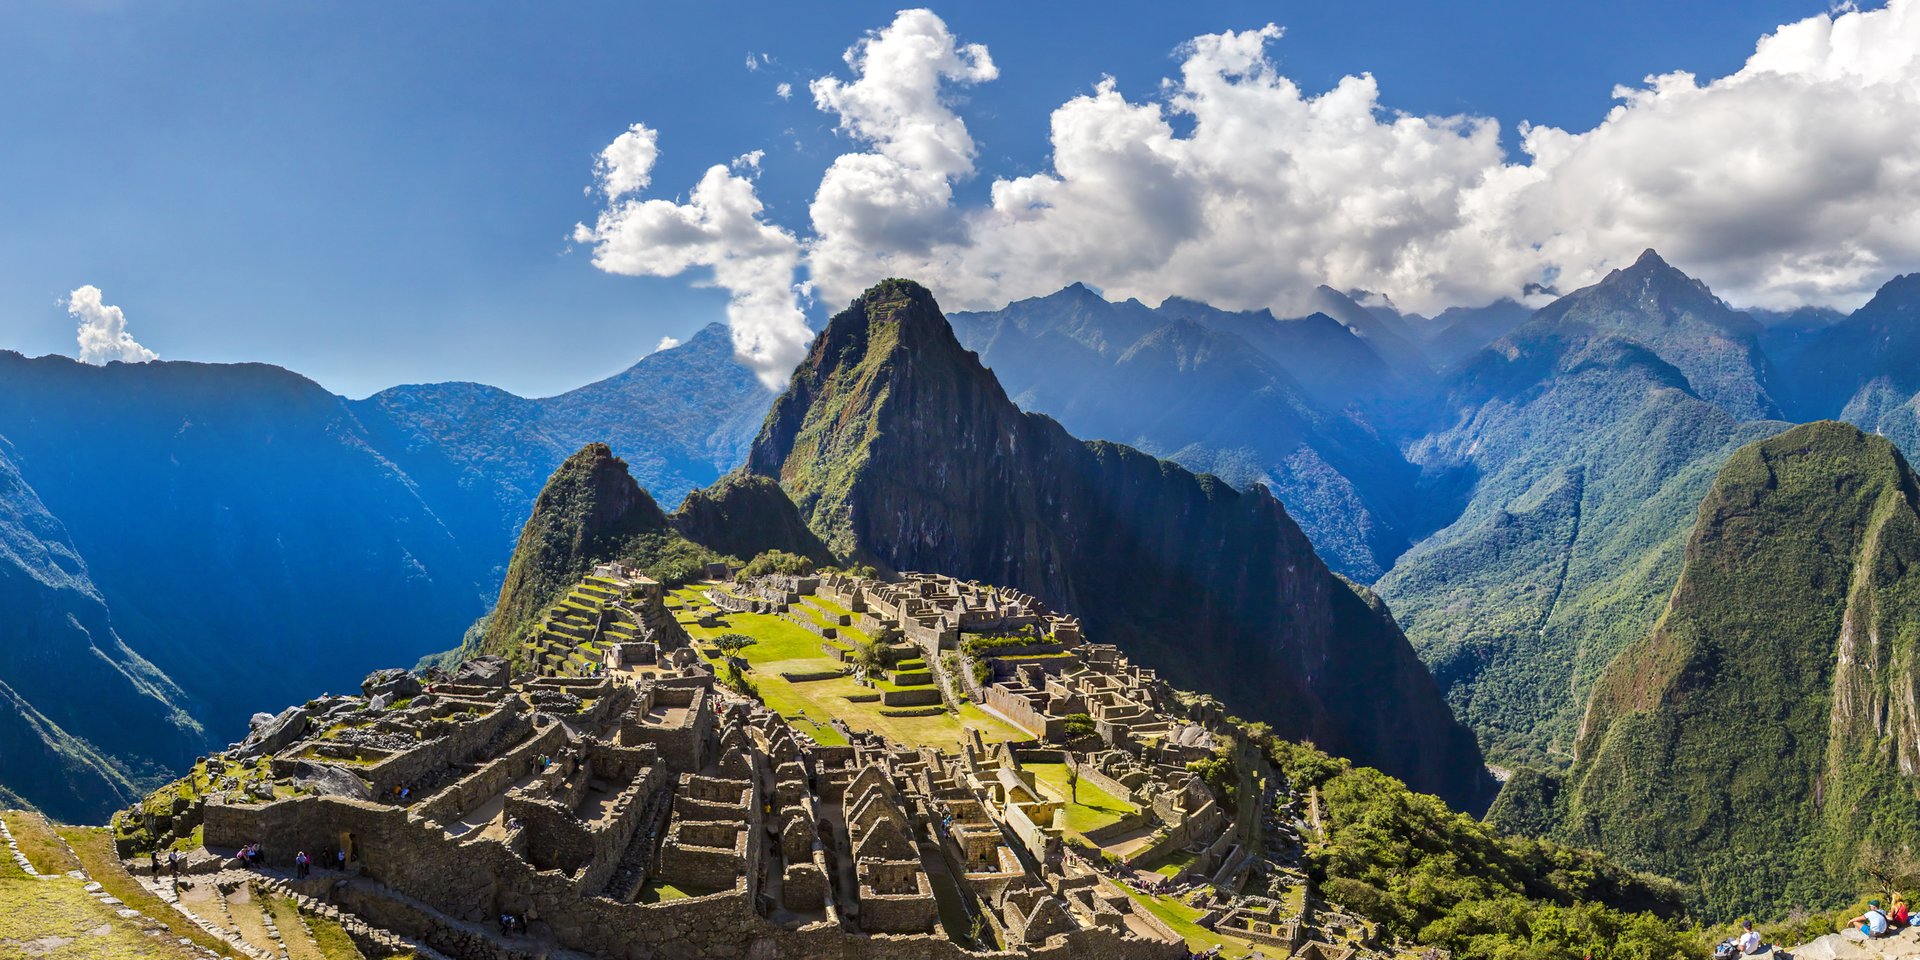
{"x":1078,"y":725}
{"x":731,"y":643}
{"x":870,"y":656}
{"x":1073,"y":776}
{"x":776,"y":561}
{"x":1887,"y":867}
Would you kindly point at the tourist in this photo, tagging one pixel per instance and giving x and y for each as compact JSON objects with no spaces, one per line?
{"x":301,"y":863}
{"x":173,"y":863}
{"x":340,"y":858}
{"x":1900,"y":915}
{"x":1749,"y":940}
{"x":506,"y":924}
{"x":1873,"y":923}
{"x":155,"y":858}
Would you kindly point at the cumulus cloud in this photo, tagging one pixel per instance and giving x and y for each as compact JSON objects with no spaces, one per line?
{"x":666,"y":343}
{"x":784,"y":91}
{"x":893,"y":202}
{"x":626,"y":165}
{"x":1794,"y":180}
{"x":103,"y":329}
{"x":719,"y":230}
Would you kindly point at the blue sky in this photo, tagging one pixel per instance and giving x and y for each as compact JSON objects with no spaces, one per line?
{"x":375,"y":194}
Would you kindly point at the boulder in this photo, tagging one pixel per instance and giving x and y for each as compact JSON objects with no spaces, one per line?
{"x":332,"y":781}
{"x":393,"y":682}
{"x":274,"y":735}
{"x":484,"y":672}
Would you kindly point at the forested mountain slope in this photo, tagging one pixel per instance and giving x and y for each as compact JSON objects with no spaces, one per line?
{"x":1760,"y":743}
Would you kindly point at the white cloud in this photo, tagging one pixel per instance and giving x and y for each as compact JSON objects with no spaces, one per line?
{"x":718,"y":228}
{"x":1794,"y":180}
{"x":753,"y":63}
{"x":894,"y":202}
{"x":103,"y":330}
{"x":784,"y":91}
{"x":626,"y":165}
{"x":666,"y":343}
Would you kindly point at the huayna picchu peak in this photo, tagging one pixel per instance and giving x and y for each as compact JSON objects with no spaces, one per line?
{"x":899,"y":448}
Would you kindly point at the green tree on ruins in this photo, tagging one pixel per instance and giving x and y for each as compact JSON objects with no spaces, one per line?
{"x":732,"y":643}
{"x":869,"y":656}
{"x":776,"y":561}
{"x":1077,"y":726}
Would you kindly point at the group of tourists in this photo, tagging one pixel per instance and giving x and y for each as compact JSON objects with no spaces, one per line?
{"x":302,"y":864}
{"x":402,"y":794}
{"x":173,"y":862}
{"x":251,"y":856}
{"x":1876,"y":922}
{"x":510,"y":924}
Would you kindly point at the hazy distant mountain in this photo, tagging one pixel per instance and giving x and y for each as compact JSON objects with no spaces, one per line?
{"x":1383,"y":329}
{"x":680,"y":418}
{"x":1206,"y":388}
{"x":1865,"y":369}
{"x":85,"y":722}
{"x":898,"y":446}
{"x":258,"y":539}
{"x":1459,"y":332}
{"x":1584,"y":439}
{"x":237,"y":521}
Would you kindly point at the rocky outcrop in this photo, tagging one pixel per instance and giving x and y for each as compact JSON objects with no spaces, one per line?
{"x":484,"y":672}
{"x":898,"y":446}
{"x":272,"y":734}
{"x":393,"y":683}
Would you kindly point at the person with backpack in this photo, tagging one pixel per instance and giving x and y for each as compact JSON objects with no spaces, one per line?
{"x":1900,"y":917}
{"x":1749,"y":942}
{"x":1872,"y":923}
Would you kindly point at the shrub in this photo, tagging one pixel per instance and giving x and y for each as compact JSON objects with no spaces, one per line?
{"x":776,"y":561}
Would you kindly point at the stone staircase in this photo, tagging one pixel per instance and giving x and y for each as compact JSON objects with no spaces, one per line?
{"x":264,"y":917}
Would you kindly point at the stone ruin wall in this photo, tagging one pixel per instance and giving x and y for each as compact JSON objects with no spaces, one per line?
{"x":418,"y":763}
{"x":1022,"y":712}
{"x":493,"y":778}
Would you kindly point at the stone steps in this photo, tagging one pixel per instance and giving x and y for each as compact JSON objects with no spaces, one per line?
{"x":251,"y":922}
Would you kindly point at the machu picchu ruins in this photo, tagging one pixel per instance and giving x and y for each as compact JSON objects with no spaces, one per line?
{"x":771,"y":766}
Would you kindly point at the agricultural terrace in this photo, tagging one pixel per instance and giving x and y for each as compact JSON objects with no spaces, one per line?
{"x":780,"y":646}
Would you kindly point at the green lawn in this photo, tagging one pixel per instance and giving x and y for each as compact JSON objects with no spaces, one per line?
{"x":655,"y":891}
{"x":37,"y":840}
{"x":1180,"y":918}
{"x":1096,"y":808}
{"x":1175,"y":862}
{"x":782,"y":647}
